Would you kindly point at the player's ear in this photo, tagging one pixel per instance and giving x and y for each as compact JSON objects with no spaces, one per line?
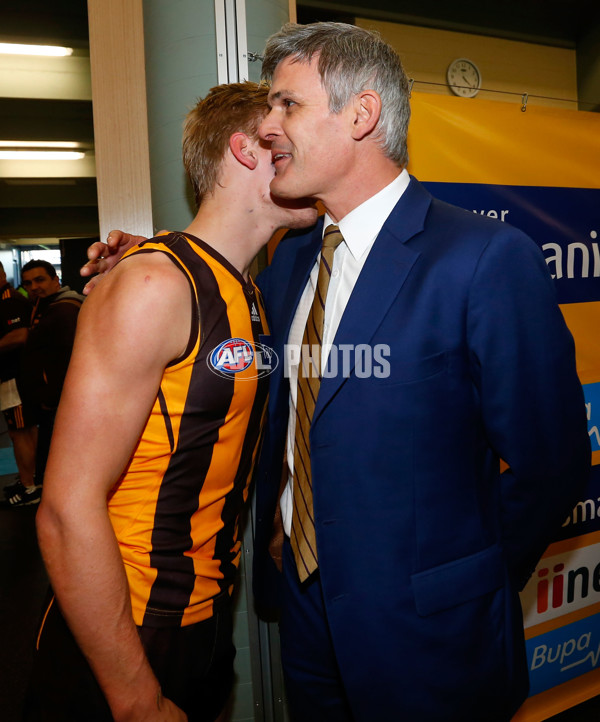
{"x":367,"y":111}
{"x":243,"y":150}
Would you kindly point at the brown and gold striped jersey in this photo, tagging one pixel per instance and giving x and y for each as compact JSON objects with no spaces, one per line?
{"x":175,"y":509}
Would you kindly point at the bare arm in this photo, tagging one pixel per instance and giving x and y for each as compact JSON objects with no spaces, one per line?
{"x":127,"y":324}
{"x":104,"y":256}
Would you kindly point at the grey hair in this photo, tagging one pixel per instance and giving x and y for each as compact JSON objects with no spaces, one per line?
{"x":350,"y":59}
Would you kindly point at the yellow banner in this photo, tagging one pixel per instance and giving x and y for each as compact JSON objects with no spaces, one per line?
{"x":469,"y":140}
{"x":538,"y":170}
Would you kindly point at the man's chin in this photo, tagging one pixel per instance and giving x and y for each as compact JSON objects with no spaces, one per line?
{"x":302,"y":217}
{"x":293,"y":203}
{"x":301,"y":212}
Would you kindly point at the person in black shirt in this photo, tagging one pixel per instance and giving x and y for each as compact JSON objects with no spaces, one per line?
{"x":48,"y":350}
{"x":15,"y":313}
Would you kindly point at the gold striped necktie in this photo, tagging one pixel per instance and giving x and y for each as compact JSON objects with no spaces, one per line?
{"x":303,"y":538}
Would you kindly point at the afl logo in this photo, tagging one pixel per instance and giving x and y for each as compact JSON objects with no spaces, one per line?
{"x":236,"y":354}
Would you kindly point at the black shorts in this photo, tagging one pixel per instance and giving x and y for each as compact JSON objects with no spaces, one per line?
{"x":19,"y":417}
{"x":193,"y":664}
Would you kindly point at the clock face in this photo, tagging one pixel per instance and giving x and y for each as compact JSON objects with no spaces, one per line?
{"x":464,"y":78}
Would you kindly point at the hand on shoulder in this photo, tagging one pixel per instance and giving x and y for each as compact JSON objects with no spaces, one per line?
{"x":102,"y":257}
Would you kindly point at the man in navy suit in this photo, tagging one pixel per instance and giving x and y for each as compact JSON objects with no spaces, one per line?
{"x":444,"y":352}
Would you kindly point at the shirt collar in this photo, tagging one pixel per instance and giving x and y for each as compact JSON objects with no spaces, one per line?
{"x":361,"y":226}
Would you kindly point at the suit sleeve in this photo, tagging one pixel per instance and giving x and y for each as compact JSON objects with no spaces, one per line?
{"x":523,"y":362}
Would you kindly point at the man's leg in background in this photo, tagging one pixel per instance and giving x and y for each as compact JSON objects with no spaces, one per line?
{"x":24,"y":443}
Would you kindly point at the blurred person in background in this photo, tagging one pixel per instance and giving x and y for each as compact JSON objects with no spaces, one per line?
{"x":48,"y":349}
{"x":15,"y":316}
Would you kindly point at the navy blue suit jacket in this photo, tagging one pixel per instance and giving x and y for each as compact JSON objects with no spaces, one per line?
{"x":423,"y":544}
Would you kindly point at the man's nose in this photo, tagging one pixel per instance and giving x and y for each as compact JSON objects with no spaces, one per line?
{"x":269,"y":128}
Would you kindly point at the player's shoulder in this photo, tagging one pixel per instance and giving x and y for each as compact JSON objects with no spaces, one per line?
{"x":152,"y":267}
{"x":141,"y":283}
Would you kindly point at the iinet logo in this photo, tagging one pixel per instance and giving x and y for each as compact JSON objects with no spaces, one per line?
{"x":562,"y":584}
{"x":554,"y":597}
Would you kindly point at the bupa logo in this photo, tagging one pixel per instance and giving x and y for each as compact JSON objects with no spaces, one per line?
{"x":558,"y":655}
{"x":236,"y":354}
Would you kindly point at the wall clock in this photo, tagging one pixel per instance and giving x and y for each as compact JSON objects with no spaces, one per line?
{"x":464,"y":78}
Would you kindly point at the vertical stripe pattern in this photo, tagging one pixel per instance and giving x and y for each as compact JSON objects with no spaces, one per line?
{"x":175,"y":510}
{"x":303,"y":538}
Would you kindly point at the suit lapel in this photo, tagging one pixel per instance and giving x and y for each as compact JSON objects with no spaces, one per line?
{"x":304,"y":261}
{"x":387,"y":267}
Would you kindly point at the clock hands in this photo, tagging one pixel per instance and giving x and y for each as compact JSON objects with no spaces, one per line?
{"x":463,"y":78}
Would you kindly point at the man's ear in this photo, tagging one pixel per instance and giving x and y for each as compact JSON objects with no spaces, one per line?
{"x":367,"y":107}
{"x":243,"y":150}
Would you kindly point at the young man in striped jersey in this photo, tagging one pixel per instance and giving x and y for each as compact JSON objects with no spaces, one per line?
{"x":142,"y":544}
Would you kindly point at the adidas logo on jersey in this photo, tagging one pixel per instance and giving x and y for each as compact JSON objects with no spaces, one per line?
{"x":254,"y":315}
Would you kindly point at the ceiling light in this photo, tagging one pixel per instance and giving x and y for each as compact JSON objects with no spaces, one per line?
{"x":39,"y":144}
{"x":16,"y":49}
{"x":40,"y":155}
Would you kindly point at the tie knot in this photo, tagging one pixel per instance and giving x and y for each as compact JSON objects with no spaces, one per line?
{"x":332,"y":237}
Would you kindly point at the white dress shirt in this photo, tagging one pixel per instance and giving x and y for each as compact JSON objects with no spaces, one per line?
{"x":359,"y":228}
